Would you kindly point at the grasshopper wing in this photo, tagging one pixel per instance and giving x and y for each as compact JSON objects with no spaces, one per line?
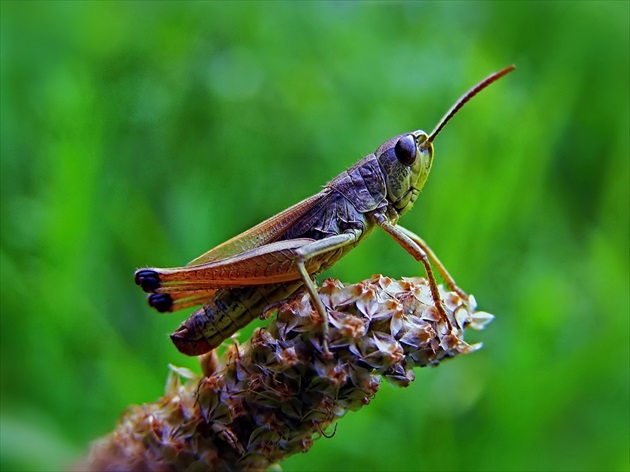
{"x":263,"y":233}
{"x":237,"y":262}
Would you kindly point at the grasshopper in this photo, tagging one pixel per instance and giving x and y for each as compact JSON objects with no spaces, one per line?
{"x":238,"y":279}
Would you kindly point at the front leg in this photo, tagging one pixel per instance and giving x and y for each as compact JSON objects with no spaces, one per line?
{"x":415,"y":249}
{"x":315,"y":249}
{"x":450,"y":282}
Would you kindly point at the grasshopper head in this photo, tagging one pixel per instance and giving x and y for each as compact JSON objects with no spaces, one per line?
{"x":406,"y":160}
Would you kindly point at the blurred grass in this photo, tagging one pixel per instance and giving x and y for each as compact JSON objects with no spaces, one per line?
{"x":144,"y":133}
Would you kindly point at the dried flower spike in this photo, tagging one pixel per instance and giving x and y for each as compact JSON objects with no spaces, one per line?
{"x":271,"y":397}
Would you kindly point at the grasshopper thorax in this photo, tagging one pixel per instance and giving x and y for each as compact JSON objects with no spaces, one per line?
{"x":406,"y":162}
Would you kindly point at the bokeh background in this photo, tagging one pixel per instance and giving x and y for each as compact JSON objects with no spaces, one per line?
{"x":138,"y":134}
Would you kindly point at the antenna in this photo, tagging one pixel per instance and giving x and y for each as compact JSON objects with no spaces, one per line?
{"x":467,"y":96}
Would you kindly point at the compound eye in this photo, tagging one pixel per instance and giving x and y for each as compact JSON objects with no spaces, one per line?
{"x":406,"y":150}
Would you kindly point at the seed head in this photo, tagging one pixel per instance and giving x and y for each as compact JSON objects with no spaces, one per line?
{"x":273,"y":396}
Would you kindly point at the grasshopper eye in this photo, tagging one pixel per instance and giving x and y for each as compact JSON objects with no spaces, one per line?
{"x":405,"y":150}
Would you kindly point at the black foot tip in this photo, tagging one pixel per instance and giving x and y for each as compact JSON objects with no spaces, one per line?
{"x":162,"y":302}
{"x":148,"y":279}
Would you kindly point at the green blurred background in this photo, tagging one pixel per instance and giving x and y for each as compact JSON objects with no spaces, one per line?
{"x":138,"y":134}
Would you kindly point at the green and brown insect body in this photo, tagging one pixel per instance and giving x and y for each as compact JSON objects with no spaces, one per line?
{"x":236,"y":280}
{"x":347,"y":205}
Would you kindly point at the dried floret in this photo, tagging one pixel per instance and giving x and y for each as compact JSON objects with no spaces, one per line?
{"x":271,"y":397}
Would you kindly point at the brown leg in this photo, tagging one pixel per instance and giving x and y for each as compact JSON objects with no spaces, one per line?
{"x":450,"y":282}
{"x":413,"y":248}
